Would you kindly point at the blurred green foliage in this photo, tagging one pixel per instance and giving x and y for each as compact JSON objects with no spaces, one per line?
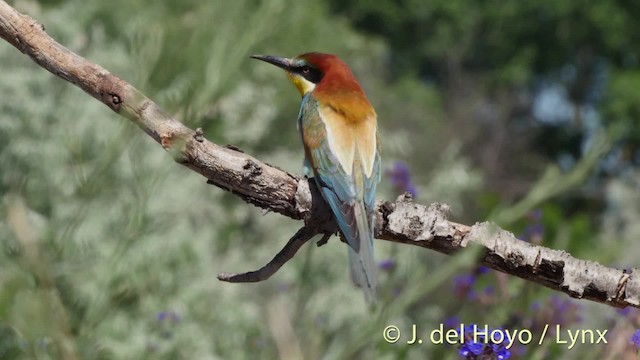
{"x":521,"y":112}
{"x":493,"y":62}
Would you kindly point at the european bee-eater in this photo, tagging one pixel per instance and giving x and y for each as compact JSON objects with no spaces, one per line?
{"x":339,"y":133}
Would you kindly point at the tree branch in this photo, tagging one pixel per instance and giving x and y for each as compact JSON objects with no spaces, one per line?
{"x":270,"y":188}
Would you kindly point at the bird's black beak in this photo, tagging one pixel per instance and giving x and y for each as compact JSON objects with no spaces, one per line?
{"x":280,"y":62}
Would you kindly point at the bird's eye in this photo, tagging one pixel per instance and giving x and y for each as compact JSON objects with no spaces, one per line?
{"x":310,"y":73}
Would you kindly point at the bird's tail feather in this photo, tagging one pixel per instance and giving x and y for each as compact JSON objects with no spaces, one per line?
{"x":361,"y":263}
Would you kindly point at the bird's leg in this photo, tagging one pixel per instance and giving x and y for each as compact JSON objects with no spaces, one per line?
{"x":342,"y":237}
{"x":302,"y":236}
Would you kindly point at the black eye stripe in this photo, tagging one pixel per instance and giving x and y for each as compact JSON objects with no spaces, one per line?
{"x":310,"y":73}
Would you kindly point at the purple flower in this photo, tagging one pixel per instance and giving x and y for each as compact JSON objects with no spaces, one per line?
{"x":387,"y":264}
{"x":469,"y":330}
{"x":535,"y":306}
{"x":482,"y":348}
{"x":464,"y":281}
{"x":400,"y":173}
{"x":635,"y":338}
{"x":471,"y":348}
{"x":462,"y":285}
{"x":624,"y":311}
{"x":534,"y":230}
{"x":400,"y":177}
{"x":475,"y":347}
{"x":161,"y":316}
{"x":464,"y":351}
{"x":488,"y":290}
{"x":451,"y":322}
{"x":535,"y":215}
{"x":168,"y":315}
{"x":566,"y":309}
{"x":411,"y":189}
{"x":503,"y":354}
{"x":555,"y":310}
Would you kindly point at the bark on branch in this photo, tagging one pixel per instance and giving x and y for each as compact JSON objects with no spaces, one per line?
{"x":270,"y":188}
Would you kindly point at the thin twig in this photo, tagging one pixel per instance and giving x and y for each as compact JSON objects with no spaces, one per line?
{"x":288,"y":251}
{"x":324,"y":239}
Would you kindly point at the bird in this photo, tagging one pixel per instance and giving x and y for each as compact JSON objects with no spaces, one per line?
{"x":338,"y":126}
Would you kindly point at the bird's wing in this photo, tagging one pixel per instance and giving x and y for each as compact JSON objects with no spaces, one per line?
{"x":341,"y":174}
